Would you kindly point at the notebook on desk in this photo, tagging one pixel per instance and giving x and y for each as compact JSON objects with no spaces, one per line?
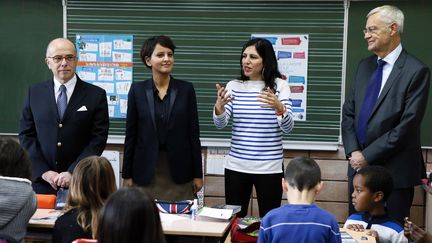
{"x":235,"y":208}
{"x":347,"y":238}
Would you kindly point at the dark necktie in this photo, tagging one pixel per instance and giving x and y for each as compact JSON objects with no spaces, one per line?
{"x":369,"y":101}
{"x":62,"y":101}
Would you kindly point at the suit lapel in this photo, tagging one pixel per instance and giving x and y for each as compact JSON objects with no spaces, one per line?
{"x":365,"y":77}
{"x":150,"y":101}
{"x":173,"y":96}
{"x":52,"y":103}
{"x":77,"y":95}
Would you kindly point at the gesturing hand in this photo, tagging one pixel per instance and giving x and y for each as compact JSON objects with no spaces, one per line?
{"x":269,"y":98}
{"x":222,"y":99}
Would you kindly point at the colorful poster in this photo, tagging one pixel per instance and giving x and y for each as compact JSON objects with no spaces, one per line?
{"x":106,"y":61}
{"x":292,"y":55}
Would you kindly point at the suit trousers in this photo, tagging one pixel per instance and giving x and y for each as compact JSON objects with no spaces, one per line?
{"x":40,"y":186}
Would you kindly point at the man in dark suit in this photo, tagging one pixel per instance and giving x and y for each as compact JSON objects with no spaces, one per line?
{"x":391,"y":136}
{"x":63,"y":120}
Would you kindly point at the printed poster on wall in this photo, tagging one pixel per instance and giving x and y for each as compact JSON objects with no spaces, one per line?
{"x":106,"y":61}
{"x":292,"y":55}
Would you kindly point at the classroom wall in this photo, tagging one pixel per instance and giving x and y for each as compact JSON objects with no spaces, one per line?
{"x":23,"y":21}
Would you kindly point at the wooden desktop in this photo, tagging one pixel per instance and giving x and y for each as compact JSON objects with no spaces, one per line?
{"x":172,"y":224}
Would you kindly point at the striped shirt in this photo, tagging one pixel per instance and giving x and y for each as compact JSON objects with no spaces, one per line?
{"x":256,"y":138}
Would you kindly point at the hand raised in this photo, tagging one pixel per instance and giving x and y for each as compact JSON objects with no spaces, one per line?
{"x":270,"y":100}
{"x":222,"y":99}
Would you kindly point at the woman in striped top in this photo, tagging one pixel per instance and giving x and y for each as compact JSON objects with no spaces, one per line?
{"x":260,"y":106}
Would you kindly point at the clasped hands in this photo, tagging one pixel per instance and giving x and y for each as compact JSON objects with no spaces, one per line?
{"x":57,"y":180}
{"x":357,"y":160}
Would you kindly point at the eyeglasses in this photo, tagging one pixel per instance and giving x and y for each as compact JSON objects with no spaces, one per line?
{"x":373,"y":29}
{"x":68,"y":58}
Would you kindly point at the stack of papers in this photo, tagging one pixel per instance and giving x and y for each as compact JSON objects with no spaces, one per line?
{"x":215,"y":214}
{"x":346,"y":238}
{"x":235,"y":208}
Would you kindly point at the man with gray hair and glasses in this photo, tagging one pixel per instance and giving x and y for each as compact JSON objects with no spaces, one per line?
{"x":382,"y":114}
{"x":64,"y":120}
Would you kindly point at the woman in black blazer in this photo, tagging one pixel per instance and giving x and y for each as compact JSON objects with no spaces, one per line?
{"x":162,"y":146}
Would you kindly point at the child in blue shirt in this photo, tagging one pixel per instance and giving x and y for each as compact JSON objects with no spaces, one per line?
{"x":372,"y":186}
{"x":300,"y":220}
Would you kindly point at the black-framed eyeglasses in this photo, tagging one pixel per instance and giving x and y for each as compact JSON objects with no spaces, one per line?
{"x":68,"y":58}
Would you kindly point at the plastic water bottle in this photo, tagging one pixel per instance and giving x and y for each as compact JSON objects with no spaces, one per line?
{"x":194,"y":209}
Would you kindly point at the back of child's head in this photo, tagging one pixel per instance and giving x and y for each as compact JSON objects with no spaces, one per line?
{"x":303,"y":173}
{"x":14,"y":160}
{"x":130,"y":215}
{"x":377,"y":178}
{"x":92,"y":182}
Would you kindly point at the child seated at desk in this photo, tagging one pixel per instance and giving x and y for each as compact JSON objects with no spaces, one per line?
{"x":130,"y":215}
{"x":372,"y":186}
{"x":300,"y":220}
{"x":17,"y":199}
{"x":93,"y":181}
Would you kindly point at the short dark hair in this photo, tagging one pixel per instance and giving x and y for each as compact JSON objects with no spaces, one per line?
{"x":14,"y":160}
{"x":149,"y":45}
{"x":303,"y":173}
{"x":130,"y":215}
{"x":270,"y":66}
{"x":377,"y":178}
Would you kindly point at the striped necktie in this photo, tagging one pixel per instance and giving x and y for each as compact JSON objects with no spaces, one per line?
{"x":62,"y":101}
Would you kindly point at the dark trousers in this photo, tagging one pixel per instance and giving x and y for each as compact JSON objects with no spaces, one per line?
{"x":398,"y":204}
{"x":42,"y":187}
{"x":238,"y":190}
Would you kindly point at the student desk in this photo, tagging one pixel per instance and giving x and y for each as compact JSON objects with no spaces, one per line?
{"x":42,"y":222}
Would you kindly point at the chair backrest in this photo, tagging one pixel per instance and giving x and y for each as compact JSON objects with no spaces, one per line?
{"x":46,"y":201}
{"x":85,"y":241}
{"x":7,"y":239}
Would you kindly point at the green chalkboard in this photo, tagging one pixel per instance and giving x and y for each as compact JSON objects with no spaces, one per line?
{"x":416,"y":39}
{"x":26,"y":27}
{"x":209,"y":36}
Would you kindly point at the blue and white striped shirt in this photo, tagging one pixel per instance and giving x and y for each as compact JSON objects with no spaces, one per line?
{"x":256,"y":141}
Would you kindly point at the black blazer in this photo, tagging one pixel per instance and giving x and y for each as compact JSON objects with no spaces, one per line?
{"x":393,"y":133}
{"x":141,"y":142}
{"x":58,"y":145}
